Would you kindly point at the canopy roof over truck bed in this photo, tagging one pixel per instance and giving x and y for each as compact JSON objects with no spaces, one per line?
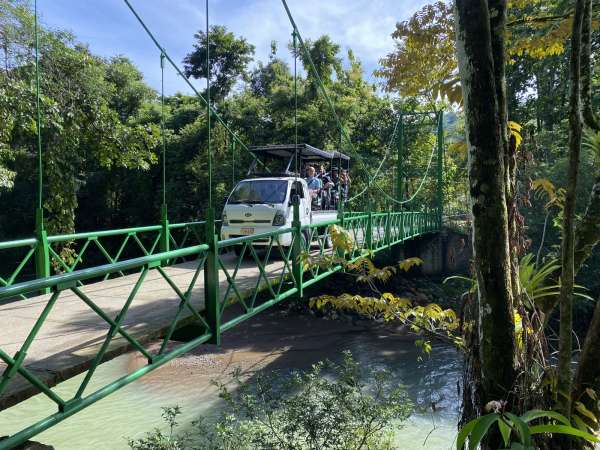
{"x":305,"y":152}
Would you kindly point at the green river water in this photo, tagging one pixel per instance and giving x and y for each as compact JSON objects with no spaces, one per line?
{"x":266,"y":343}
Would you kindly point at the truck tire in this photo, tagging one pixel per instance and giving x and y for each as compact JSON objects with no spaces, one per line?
{"x":306,"y":240}
{"x":237,"y":249}
{"x":323,"y":235}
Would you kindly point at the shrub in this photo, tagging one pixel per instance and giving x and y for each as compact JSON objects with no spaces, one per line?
{"x":330,"y":406}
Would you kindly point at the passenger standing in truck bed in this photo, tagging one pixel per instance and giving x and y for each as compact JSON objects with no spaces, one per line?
{"x":315,"y":185}
{"x":344,"y":184}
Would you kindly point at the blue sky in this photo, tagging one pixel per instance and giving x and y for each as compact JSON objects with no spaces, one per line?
{"x":110,"y":28}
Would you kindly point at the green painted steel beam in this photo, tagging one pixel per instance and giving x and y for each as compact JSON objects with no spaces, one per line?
{"x":400,"y":160}
{"x":94,"y":272}
{"x":440,"y":167}
{"x":75,"y":407}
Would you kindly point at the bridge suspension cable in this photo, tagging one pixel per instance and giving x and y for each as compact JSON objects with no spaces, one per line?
{"x":371,"y":180}
{"x":213,"y":111}
{"x":38,"y":109}
{"x":208,"y":114}
{"x":422,"y":182}
{"x":377,"y":171}
{"x":162,"y":128}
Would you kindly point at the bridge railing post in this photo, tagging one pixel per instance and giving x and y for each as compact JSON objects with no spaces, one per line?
{"x":340,"y":212}
{"x":42,"y":253}
{"x":165,"y":233}
{"x":388,"y":228}
{"x":297,"y":270}
{"x":440,"y":169}
{"x":211,"y":280}
{"x":428,"y":219}
{"x":402,"y":233}
{"x":369,"y":232}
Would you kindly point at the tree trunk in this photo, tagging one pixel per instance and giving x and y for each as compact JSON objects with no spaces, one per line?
{"x":586,"y":68}
{"x":588,"y":370}
{"x":587,"y":237}
{"x":567,"y":256}
{"x":478,"y":47}
{"x":588,"y":231}
{"x":497,"y":10}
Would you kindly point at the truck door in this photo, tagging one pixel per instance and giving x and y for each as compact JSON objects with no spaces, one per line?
{"x":305,"y":213}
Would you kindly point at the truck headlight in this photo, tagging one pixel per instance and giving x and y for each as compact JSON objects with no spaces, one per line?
{"x":224,"y":219}
{"x":279,"y":219}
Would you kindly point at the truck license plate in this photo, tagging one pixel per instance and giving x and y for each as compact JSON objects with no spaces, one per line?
{"x":247,"y":231}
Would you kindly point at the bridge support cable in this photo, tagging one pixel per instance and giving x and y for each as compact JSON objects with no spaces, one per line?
{"x":438,"y":149}
{"x":329,"y":102}
{"x":371,"y":180}
{"x":215,"y":114}
{"x":400,"y":161}
{"x":440,"y":168}
{"x":42,"y":253}
{"x":232,"y":143}
{"x":211,"y":270}
{"x":164,"y":219}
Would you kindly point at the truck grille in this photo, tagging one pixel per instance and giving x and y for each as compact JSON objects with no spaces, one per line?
{"x":249,"y":222}
{"x":264,"y":240}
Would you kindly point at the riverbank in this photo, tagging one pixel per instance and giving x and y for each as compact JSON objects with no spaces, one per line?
{"x":277,"y":340}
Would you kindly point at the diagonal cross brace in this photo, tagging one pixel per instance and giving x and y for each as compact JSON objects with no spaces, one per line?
{"x":34,"y":380}
{"x":134,"y":342}
{"x":111,"y":333}
{"x":19,"y":358}
{"x":231,"y":280}
{"x":181,"y":306}
{"x":184,"y":298}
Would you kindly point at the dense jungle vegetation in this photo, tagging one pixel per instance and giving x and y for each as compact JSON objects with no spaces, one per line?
{"x":521,"y":91}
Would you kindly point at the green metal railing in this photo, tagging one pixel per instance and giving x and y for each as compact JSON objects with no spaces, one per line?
{"x":262,"y":273}
{"x":68,"y":252}
{"x":236,"y":278}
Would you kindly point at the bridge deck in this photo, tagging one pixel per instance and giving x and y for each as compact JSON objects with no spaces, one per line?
{"x":71,"y":336}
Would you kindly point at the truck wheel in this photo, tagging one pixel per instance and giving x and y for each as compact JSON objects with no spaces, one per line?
{"x":306,"y":240}
{"x":238,"y":249}
{"x":326,"y":238}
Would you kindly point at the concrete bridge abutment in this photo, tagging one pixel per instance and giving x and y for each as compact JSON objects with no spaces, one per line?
{"x":444,"y":253}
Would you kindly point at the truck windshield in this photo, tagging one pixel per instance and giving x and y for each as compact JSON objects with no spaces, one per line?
{"x":259,"y":191}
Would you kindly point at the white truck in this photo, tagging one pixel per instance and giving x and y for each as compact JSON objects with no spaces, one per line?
{"x":263,"y":203}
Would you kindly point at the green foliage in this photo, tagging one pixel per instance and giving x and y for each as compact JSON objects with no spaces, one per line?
{"x":323,"y":54}
{"x":331,"y":406}
{"x":158,"y":440}
{"x":536,"y":282}
{"x":229,"y":57}
{"x":101,"y":132}
{"x":591,"y":141}
{"x":430,"y":320}
{"x":518,"y":432}
{"x":424,"y":62}
{"x":88,"y":117}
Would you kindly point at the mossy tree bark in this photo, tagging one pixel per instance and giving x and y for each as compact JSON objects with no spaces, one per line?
{"x":588,"y":370}
{"x":568,"y":237}
{"x":587,"y":237}
{"x":480,"y":51}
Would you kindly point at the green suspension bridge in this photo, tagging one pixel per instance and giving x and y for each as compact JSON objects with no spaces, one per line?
{"x":64,"y":317}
